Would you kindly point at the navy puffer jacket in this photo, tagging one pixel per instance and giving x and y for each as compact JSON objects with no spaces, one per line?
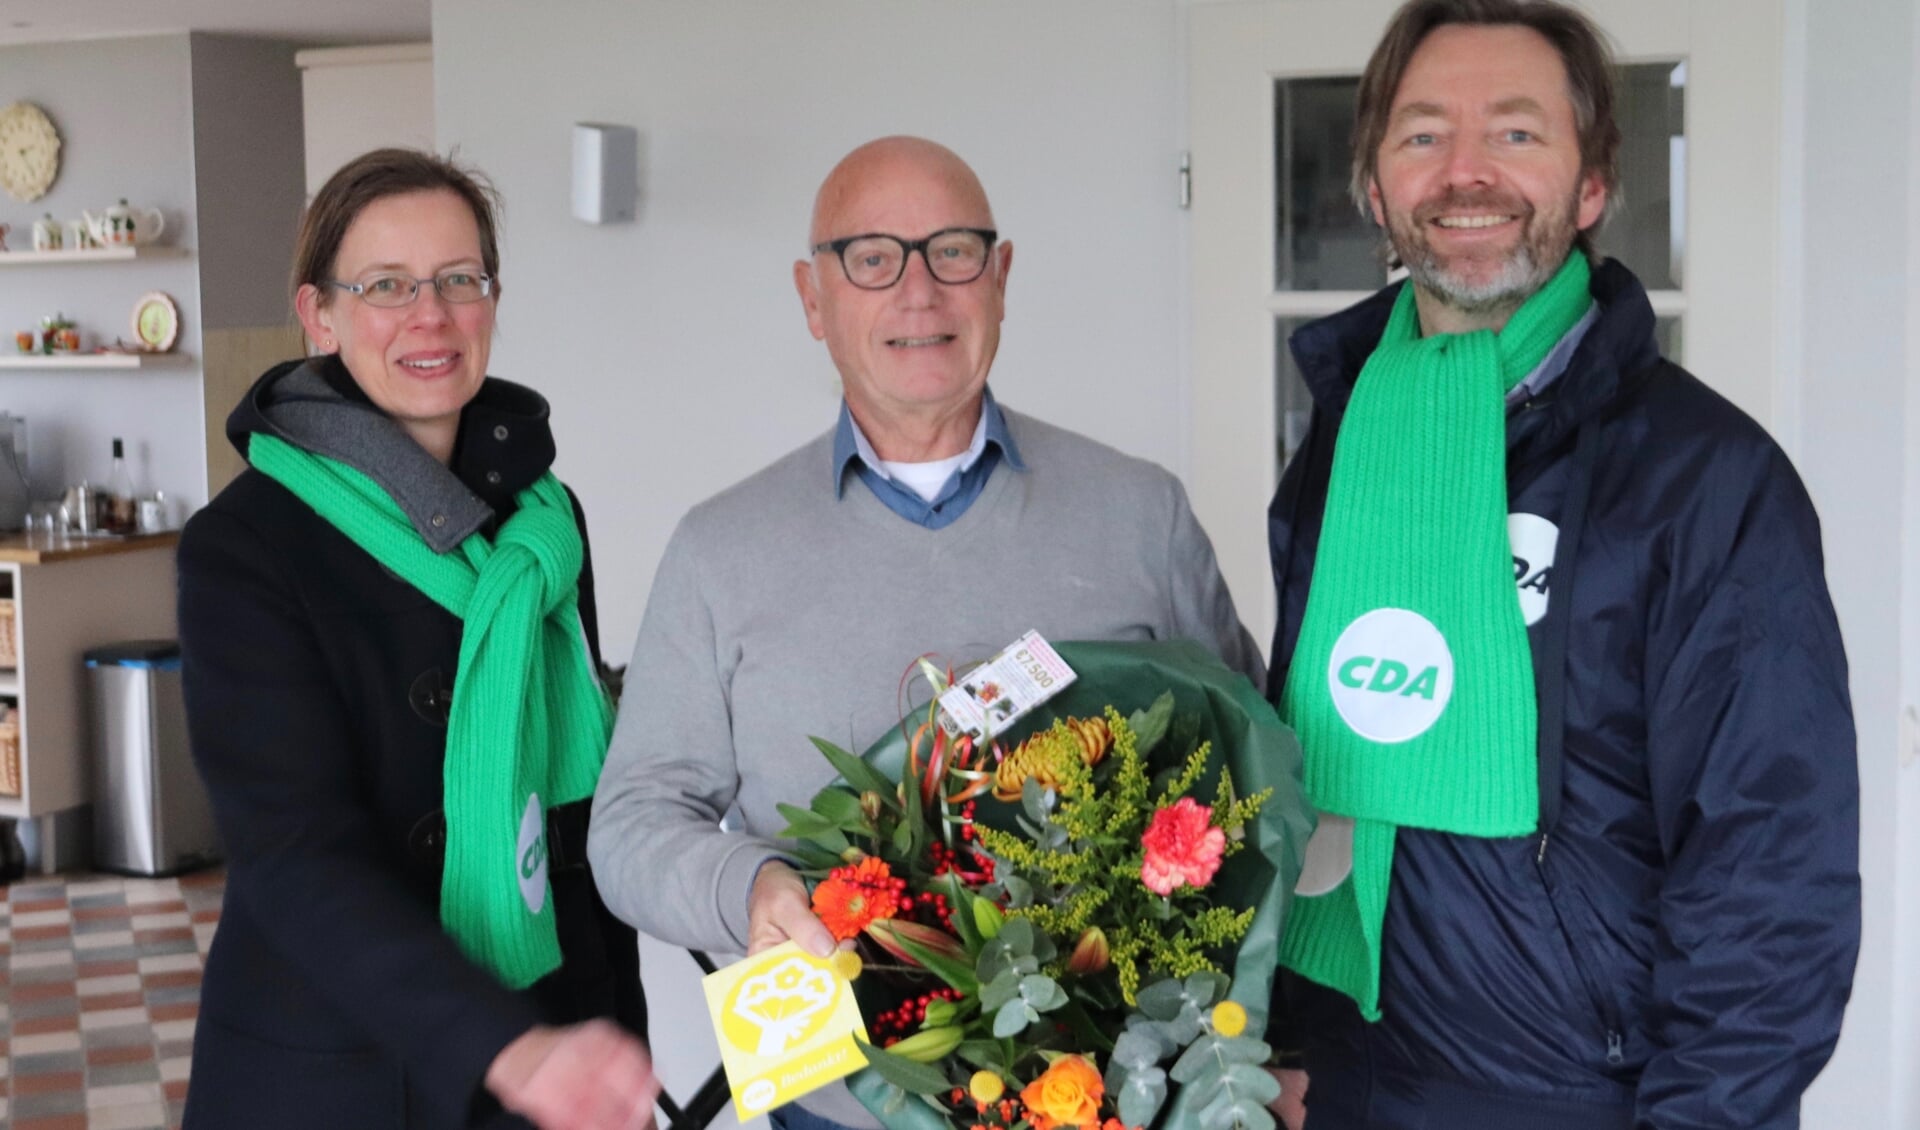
{"x":1674,"y":949}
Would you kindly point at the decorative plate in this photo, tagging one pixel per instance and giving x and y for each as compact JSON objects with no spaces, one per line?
{"x":156,"y":322}
{"x":29,"y":151}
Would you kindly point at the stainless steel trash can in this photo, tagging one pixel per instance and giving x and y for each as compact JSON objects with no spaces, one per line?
{"x":150,"y":812}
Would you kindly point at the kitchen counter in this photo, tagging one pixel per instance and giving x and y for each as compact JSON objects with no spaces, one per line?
{"x":42,"y":549}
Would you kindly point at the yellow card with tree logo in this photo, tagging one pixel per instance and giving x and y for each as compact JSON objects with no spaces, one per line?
{"x":787,"y":1022}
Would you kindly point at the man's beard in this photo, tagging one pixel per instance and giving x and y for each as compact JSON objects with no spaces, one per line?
{"x":1545,"y":239}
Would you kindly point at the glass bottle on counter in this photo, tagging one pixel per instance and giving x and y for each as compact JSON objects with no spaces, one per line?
{"x":117,"y":498}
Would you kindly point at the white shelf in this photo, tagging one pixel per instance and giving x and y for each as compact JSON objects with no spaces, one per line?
{"x":92,"y":255}
{"x":94,"y":361}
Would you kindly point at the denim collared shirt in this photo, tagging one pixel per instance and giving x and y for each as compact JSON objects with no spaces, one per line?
{"x":1555,"y":362}
{"x":991,"y":443}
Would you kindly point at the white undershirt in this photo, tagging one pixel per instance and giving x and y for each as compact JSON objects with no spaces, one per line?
{"x":924,"y":479}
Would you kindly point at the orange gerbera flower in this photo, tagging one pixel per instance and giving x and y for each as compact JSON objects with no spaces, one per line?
{"x":851,"y":897}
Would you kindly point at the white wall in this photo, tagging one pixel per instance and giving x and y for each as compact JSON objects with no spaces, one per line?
{"x":673,"y":348}
{"x":1857,"y":447}
{"x":124,"y":111}
{"x":361,"y":98}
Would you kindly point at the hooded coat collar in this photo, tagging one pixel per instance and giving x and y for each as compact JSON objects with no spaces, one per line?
{"x":504,"y":444}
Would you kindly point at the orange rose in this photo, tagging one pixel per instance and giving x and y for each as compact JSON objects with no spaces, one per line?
{"x":1066,"y":1094}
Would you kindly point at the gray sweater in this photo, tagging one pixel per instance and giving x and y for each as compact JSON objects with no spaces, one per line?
{"x":780,"y":612}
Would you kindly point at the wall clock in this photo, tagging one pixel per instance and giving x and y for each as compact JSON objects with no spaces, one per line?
{"x":29,"y":151}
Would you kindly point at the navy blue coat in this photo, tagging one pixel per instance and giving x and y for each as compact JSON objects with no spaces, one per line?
{"x":1675,"y":948}
{"x":317,"y":690}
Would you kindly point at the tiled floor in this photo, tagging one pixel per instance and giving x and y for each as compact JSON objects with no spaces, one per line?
{"x":99,"y":988}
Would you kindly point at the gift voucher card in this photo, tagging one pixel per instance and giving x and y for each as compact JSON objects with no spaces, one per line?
{"x":993,"y":696}
{"x":786,"y":1022}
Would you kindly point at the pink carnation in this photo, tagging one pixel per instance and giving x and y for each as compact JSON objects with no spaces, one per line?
{"x":1182,"y":848}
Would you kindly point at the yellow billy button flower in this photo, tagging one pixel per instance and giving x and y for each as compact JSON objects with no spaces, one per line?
{"x":1229,"y":1019}
{"x":847,"y":964}
{"x":986,"y":1087}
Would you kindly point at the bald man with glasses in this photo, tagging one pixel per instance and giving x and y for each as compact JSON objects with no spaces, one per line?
{"x":928,"y":519}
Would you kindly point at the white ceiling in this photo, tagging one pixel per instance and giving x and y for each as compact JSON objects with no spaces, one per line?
{"x":315,"y":23}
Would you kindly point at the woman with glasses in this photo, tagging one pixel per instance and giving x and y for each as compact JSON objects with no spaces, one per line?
{"x":391,"y":670}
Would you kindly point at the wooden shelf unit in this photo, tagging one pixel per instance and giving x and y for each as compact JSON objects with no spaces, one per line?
{"x":59,"y":613}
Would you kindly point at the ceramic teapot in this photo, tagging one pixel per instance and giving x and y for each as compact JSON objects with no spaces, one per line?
{"x":121,"y":226}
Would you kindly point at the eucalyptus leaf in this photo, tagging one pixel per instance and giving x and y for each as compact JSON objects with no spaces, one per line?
{"x":1162,"y":999}
{"x":920,"y":1078}
{"x":1206,"y":987}
{"x":1017,"y":935}
{"x":1141,"y":1098}
{"x":1251,"y":1081}
{"x":1013,"y":1018}
{"x":1199,"y":1058}
{"x":1140,"y":1048}
{"x":1244,"y":1049}
{"x":997,"y":992}
{"x":1019,"y":891}
{"x":1036,"y":800}
{"x":1042,"y":992}
{"x":855,"y":772}
{"x":1187,"y":1025}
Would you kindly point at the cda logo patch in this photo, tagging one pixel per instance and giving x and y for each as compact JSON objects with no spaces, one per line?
{"x":530,"y":855}
{"x":1391,"y":675}
{"x":1534,"y":540}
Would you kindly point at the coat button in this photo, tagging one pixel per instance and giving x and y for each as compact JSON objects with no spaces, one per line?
{"x":431,"y":696}
{"x":500,"y":432}
{"x":428,"y":840}
{"x":493,"y":478}
{"x":438,"y":520}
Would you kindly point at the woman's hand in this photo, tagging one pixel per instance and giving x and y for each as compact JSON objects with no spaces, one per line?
{"x":1291,"y":1106}
{"x":591,"y":1076}
{"x":779,"y":909}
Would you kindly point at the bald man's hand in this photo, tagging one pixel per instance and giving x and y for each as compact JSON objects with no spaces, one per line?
{"x":779,"y":910}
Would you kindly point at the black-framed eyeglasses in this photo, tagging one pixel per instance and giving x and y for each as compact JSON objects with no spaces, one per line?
{"x":458,"y":286}
{"x":876,"y":261}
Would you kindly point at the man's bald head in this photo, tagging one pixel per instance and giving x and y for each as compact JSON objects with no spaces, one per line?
{"x":891,"y":165}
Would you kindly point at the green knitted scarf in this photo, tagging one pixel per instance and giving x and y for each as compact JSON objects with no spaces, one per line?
{"x":1412,"y":683}
{"x":530,"y":720}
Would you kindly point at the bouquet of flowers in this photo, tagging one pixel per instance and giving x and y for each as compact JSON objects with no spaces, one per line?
{"x":1074,"y":923}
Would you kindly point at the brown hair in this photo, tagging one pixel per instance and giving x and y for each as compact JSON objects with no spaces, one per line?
{"x":1583,"y":51}
{"x":373,"y":176}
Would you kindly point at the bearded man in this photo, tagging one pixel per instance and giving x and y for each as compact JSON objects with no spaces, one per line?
{"x":1589,"y":856}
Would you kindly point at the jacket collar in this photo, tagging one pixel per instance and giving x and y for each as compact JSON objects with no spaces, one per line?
{"x":1618,"y":349}
{"x":503,"y":446}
